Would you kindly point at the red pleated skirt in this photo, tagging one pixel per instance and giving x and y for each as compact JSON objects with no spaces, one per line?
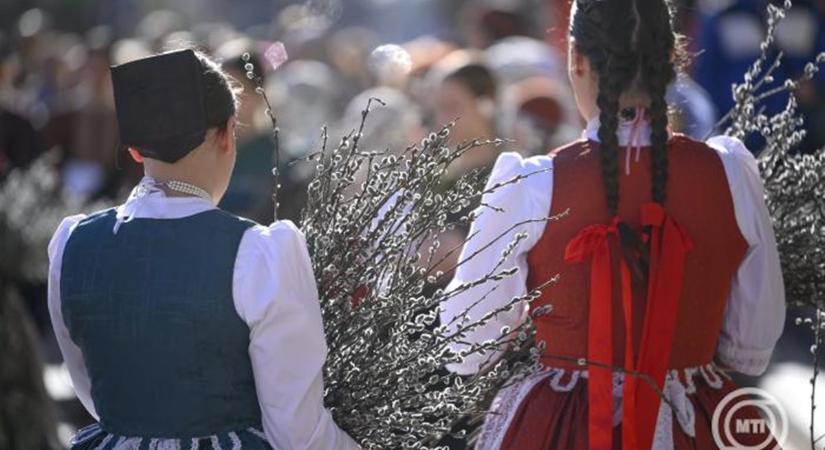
{"x":552,"y":415}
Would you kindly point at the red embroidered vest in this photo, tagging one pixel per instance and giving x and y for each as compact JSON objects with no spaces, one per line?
{"x":698,"y":197}
{"x":697,"y":246}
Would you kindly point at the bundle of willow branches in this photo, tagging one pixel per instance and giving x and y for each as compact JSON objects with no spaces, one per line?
{"x":372,"y":223}
{"x":794,"y":183}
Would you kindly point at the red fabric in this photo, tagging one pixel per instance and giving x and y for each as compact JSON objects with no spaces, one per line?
{"x":551,"y":420}
{"x":669,"y":245}
{"x":592,"y":244}
{"x":560,"y":420}
{"x":704,"y":209}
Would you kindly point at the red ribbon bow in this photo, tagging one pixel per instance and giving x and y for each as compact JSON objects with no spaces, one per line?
{"x":669,"y":245}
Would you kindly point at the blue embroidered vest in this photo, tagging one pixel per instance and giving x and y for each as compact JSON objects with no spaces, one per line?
{"x":151,"y":308}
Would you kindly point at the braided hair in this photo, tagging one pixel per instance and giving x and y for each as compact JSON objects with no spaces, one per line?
{"x":631,"y":46}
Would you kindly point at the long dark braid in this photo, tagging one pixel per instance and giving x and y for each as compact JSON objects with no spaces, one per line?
{"x":657,"y":43}
{"x":598,"y":32}
{"x":630,"y":45}
{"x":609,"y":118}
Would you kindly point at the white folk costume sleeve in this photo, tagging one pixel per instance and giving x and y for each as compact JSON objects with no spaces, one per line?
{"x":524,"y":201}
{"x":276,"y":295}
{"x":72,"y":355}
{"x":755,"y":312}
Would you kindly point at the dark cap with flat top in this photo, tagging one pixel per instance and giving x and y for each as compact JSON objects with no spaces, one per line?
{"x":160,"y":104}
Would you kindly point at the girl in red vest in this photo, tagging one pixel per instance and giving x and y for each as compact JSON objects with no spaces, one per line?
{"x":668,"y":265}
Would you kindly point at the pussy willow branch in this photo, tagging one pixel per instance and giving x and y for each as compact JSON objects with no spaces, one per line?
{"x":818,"y":324}
{"x":374,"y":230}
{"x":794,"y":183}
{"x":276,"y":141}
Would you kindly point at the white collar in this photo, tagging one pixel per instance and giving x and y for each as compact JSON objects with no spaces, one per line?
{"x":633,"y":134}
{"x":147,"y":200}
{"x":624,"y":132}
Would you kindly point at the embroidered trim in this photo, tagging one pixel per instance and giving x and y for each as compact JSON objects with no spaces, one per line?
{"x":168,"y":444}
{"x":689,"y":373}
{"x":507,"y":402}
{"x":555,"y":380}
{"x":257,"y":432}
{"x":86,"y":433}
{"x":716,"y":382}
{"x":104,"y":442}
{"x":663,"y":436}
{"x":135,"y":443}
{"x":236,"y":441}
{"x":132,"y":443}
{"x":504,"y":409}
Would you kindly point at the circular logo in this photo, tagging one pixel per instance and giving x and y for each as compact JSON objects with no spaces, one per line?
{"x":749,"y":419}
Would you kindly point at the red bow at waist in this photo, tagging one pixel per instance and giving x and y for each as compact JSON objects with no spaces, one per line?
{"x":669,"y":245}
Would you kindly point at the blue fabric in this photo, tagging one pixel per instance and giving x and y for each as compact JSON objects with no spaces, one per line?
{"x":151,"y":308}
{"x":94,"y":438}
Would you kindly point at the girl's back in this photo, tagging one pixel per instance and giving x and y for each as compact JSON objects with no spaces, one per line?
{"x":699,"y":198}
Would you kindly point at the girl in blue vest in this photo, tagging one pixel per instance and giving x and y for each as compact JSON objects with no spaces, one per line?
{"x":183,"y":326}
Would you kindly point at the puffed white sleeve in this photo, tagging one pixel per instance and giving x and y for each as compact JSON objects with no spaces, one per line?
{"x":72,"y":354}
{"x":755,"y":311}
{"x":275,"y":294}
{"x":511,"y":209}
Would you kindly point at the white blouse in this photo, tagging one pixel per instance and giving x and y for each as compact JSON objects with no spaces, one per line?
{"x":755,"y":312}
{"x":274,"y":292}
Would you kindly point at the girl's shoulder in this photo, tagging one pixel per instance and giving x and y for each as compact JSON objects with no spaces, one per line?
{"x":280,"y":241}
{"x":572,"y":150}
{"x":720,"y":146}
{"x":512,"y":171}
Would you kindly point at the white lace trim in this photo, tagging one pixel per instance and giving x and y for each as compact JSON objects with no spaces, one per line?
{"x":503,"y":410}
{"x":507,"y":402}
{"x":256,"y":432}
{"x":134,"y":443}
{"x":104,"y":442}
{"x":236,"y":441}
{"x":168,"y":444}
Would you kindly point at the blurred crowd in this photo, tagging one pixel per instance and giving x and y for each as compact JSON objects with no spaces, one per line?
{"x":499,"y":67}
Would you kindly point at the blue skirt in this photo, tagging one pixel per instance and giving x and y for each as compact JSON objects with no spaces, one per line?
{"x":95,"y":438}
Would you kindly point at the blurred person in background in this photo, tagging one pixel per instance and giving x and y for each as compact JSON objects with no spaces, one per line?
{"x":348,"y":51}
{"x":304,"y":93}
{"x":425,"y":53}
{"x":20,"y":144}
{"x":730,"y":36}
{"x":540,"y":115}
{"x":801,"y":37}
{"x":516,"y":58}
{"x":393,"y":124}
{"x":252,"y":184}
{"x":85,"y":127}
{"x":488,"y":21}
{"x":692,"y":110}
{"x":467,"y":92}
